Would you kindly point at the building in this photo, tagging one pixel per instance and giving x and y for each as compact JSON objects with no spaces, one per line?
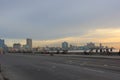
{"x":17,"y":46}
{"x":25,"y":47}
{"x":29,"y":43}
{"x":65,"y":45}
{"x":2,"y":44}
{"x":101,"y":46}
{"x":90,"y":45}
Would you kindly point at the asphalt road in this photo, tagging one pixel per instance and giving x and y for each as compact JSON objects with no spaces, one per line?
{"x":27,"y":67}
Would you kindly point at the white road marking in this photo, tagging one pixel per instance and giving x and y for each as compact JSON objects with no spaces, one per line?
{"x":115,"y":66}
{"x":105,"y":65}
{"x":94,"y":70}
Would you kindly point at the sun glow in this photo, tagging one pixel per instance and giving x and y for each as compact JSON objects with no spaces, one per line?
{"x":110,"y":36}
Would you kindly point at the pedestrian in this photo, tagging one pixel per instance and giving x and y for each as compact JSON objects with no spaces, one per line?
{"x":119,"y":52}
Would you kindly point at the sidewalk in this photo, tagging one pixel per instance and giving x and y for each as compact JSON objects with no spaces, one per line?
{"x":91,"y":56}
{"x":77,"y":56}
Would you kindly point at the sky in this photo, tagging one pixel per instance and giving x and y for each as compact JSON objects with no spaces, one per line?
{"x":53,"y":21}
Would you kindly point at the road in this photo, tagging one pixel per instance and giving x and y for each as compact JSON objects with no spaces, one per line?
{"x":29,"y":67}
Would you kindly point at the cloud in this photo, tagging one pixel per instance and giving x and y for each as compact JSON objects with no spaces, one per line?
{"x":52,"y":19}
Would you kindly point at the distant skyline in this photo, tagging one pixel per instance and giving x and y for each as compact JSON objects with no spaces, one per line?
{"x":58,"y":42}
{"x":60,"y":20}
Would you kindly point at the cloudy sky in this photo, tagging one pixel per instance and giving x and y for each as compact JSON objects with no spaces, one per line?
{"x":60,"y":20}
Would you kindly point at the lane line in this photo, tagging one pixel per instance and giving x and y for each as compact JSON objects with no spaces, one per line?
{"x":94,"y":70}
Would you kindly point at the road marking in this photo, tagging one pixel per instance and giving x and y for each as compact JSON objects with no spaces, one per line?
{"x":115,"y":66}
{"x":69,"y":62}
{"x":82,"y":64}
{"x":94,"y":70}
{"x":105,"y":65}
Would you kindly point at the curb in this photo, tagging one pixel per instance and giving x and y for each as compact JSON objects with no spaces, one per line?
{"x":101,"y":57}
{"x":94,"y":57}
{"x":77,"y":56}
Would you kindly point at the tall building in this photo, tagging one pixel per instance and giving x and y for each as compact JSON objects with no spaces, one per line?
{"x":2,"y":43}
{"x":2,"y":46}
{"x":64,"y":45}
{"x":29,"y":43}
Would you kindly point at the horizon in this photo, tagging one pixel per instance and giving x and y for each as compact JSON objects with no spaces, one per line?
{"x":58,"y":42}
